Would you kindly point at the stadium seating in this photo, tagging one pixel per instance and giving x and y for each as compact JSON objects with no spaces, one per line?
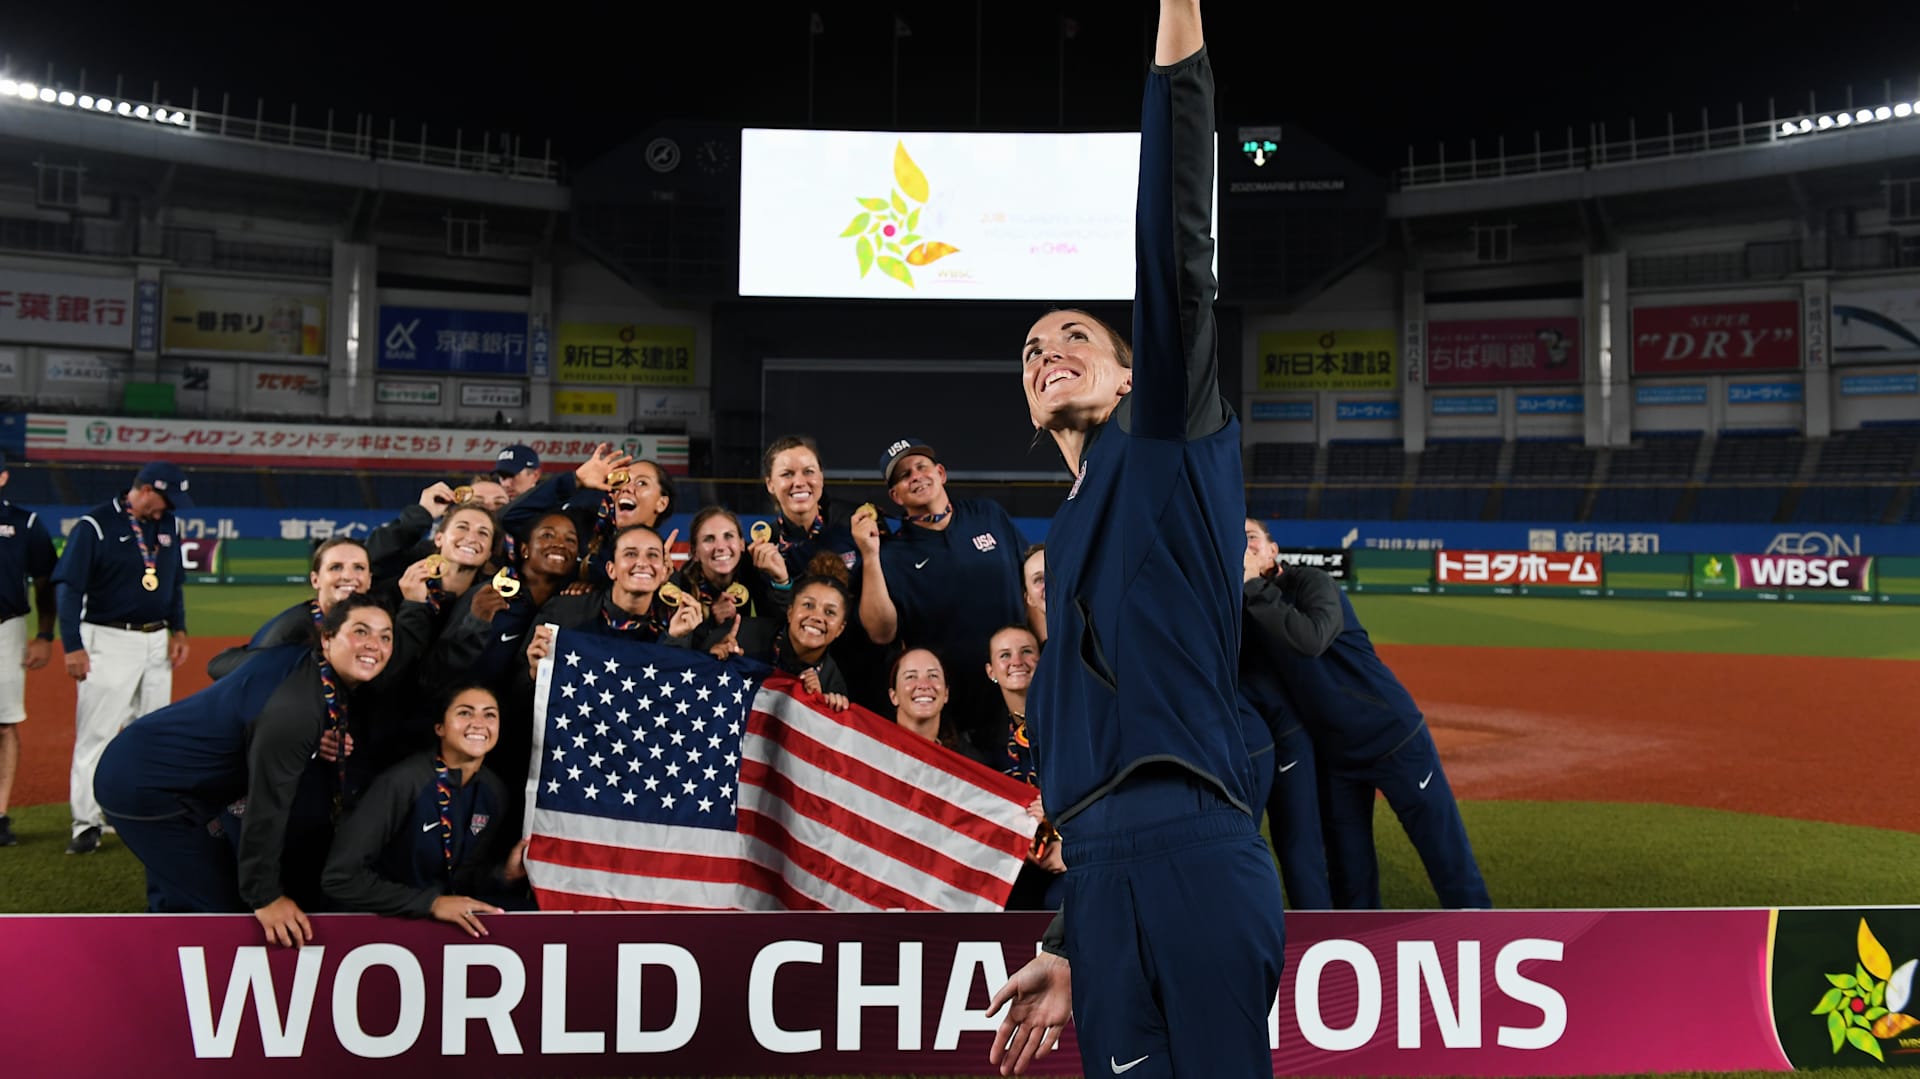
{"x":1285,"y":462}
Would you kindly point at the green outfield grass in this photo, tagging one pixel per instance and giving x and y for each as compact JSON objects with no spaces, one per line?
{"x":1879,"y":631}
{"x":1533,"y":854}
{"x":1882,"y":631}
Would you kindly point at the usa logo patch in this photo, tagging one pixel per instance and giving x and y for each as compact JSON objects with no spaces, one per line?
{"x":850,"y":557}
{"x":166,"y":540}
{"x":478,"y":823}
{"x":6,"y":530}
{"x":985,"y":541}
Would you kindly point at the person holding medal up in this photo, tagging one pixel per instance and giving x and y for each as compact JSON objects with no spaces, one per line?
{"x":123,"y":623}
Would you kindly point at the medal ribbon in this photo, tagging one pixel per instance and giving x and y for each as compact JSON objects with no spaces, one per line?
{"x":443,"y":786}
{"x":649,"y":621}
{"x":140,"y":541}
{"x":337,"y":724}
{"x":791,"y":535}
{"x":931,"y":518}
{"x":313,"y":609}
{"x":436,"y":594}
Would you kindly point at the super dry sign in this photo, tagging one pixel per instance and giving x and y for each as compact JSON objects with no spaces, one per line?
{"x":1715,"y":337}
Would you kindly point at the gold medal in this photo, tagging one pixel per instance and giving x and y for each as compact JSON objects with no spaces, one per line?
{"x":617,"y":479}
{"x":150,"y":581}
{"x":669,"y":594}
{"x":462,"y":495}
{"x":505,"y":583}
{"x":761,"y":531}
{"x":737,"y":592}
{"x":870,"y":506}
{"x":434,"y":565}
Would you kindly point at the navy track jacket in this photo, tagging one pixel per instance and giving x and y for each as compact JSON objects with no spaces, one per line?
{"x":1144,"y":558}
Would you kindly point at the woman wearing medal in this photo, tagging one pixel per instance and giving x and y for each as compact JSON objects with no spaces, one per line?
{"x":433,"y":832}
{"x":632,"y":609}
{"x":746,"y":602}
{"x":246,"y":740}
{"x":811,"y":523}
{"x":341,"y":567}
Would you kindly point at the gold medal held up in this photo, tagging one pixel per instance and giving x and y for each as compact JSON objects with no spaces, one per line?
{"x":434,"y":565}
{"x":761,"y":531}
{"x":150,"y":580}
{"x":505,"y":583}
{"x":617,"y":479}
{"x":738,"y":593}
{"x":669,"y":594}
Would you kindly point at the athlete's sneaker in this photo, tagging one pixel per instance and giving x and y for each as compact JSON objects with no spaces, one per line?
{"x":86,"y":842}
{"x":6,"y":831}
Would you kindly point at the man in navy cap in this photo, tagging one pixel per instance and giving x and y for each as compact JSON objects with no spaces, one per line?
{"x":949,"y":582}
{"x":123,"y":622}
{"x":25,"y":551}
{"x":518,"y":468}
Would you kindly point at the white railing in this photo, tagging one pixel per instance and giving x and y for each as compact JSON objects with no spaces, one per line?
{"x":1600,"y":152}
{"x":502,"y":158}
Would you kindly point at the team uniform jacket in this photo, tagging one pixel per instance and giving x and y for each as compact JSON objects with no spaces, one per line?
{"x":1351,"y":703}
{"x":99,"y":573}
{"x":248,"y":735}
{"x":1298,"y":614}
{"x":1152,"y":531}
{"x":31,"y":555}
{"x":388,"y":855}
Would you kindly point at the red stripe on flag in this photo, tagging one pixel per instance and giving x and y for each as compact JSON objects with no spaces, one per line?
{"x":891,"y":787}
{"x":890,"y":734}
{"x":671,"y":865}
{"x":829,"y":868}
{"x":872,"y":834}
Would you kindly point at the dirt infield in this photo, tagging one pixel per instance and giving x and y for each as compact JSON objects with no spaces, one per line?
{"x":1784,"y":736}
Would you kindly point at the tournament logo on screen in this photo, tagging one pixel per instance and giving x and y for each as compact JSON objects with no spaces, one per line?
{"x":1864,"y":1000}
{"x":885,"y":229}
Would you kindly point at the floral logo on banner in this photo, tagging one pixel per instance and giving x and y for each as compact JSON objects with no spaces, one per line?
{"x":1862,"y":1011}
{"x":886,"y":232}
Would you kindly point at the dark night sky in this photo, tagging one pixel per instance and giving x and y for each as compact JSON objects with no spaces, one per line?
{"x":1365,"y":78}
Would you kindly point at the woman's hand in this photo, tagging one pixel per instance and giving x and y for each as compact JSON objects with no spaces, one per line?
{"x":464,"y":912}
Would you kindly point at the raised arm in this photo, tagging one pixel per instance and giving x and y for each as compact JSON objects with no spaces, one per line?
{"x":1176,"y":375}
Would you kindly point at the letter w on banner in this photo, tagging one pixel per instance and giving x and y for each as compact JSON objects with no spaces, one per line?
{"x":667,"y":780}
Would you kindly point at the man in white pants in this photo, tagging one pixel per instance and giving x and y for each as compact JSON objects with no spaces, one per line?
{"x":26,"y":550}
{"x":123,"y":623}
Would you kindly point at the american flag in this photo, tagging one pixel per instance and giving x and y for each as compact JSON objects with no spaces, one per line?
{"x":668,"y":780}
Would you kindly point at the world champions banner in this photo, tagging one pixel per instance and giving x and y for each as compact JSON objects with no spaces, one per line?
{"x":1365,"y":993}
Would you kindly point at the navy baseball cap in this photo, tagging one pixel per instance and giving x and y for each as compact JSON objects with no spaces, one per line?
{"x":516,"y":459}
{"x":905,"y":447}
{"x":168,"y":479}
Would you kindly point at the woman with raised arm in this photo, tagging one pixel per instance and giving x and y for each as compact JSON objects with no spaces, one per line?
{"x":1172,"y":915}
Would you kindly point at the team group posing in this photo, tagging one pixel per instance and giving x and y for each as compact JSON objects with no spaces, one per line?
{"x":1154,"y":672}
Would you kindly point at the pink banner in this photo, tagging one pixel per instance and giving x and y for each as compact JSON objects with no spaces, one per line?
{"x":1797,"y":572}
{"x":1364,"y":993}
{"x":1702,"y":338}
{"x":1485,"y":352}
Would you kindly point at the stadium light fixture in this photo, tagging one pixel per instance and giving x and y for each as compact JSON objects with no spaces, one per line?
{"x":27,"y":91}
{"x":1903,"y":110}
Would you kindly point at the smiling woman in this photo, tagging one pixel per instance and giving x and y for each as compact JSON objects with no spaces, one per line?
{"x":430,"y":835}
{"x":251,"y":738}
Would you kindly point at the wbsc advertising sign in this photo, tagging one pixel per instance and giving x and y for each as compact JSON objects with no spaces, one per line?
{"x":1716,"y":337}
{"x":1729,"y":573}
{"x":1496,"y":993}
{"x":463,"y":342}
